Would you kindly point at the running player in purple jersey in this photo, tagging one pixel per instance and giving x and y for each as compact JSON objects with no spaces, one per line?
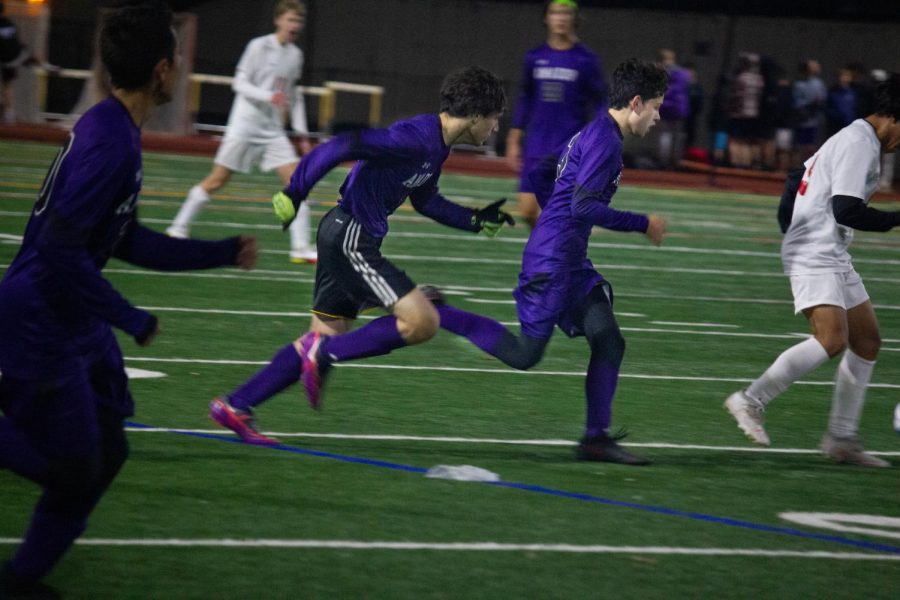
{"x":558,"y":285}
{"x":401,"y":161}
{"x":64,"y":391}
{"x":562,"y":87}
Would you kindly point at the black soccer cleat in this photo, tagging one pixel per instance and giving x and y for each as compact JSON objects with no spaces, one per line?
{"x":14,"y":587}
{"x":603,"y":448}
{"x":433,"y":293}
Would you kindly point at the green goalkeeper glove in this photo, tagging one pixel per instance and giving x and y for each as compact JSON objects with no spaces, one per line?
{"x":490,"y":219}
{"x":284,"y":208}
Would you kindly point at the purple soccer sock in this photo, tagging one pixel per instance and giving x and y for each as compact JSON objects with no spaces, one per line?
{"x":600,"y":387}
{"x":18,"y":455}
{"x":282,"y":372}
{"x":49,"y":536}
{"x":378,"y":337}
{"x":481,"y":331}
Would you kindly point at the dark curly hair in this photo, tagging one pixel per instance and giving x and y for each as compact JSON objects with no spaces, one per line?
{"x":887,"y":97}
{"x":133,"y":40}
{"x":472,"y":91}
{"x":637,"y":78}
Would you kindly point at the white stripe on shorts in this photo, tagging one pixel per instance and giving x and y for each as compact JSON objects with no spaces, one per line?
{"x":376,"y":282}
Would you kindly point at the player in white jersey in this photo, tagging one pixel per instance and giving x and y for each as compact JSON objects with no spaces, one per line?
{"x":832,"y":201}
{"x":264,"y":86}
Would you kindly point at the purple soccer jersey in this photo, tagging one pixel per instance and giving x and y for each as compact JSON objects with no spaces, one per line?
{"x":401,"y":161}
{"x":587,"y":177}
{"x":560,"y":91}
{"x":56,"y":309}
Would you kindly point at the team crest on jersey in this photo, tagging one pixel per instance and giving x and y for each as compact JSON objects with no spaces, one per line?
{"x":127,"y":206}
{"x":419,"y":178}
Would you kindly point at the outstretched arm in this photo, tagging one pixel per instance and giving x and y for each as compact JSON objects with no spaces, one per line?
{"x":152,"y":250}
{"x":855,"y":213}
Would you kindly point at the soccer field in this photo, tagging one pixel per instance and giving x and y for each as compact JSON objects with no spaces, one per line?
{"x":343,"y":509}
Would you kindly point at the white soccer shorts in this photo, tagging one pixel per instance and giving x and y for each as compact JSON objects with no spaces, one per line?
{"x":836,"y":289}
{"x":240,"y":155}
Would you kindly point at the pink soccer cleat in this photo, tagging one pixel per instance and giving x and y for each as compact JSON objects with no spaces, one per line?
{"x":239,"y":421}
{"x":313,"y":375}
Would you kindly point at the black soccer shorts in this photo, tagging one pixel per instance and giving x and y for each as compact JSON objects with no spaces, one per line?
{"x":351,"y":274}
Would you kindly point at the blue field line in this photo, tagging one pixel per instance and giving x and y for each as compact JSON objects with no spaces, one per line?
{"x":537,"y":489}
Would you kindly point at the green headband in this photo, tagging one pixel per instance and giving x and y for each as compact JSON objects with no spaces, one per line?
{"x":570,"y":3}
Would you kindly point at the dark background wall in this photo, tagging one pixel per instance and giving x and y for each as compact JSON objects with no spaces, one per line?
{"x":408,"y":45}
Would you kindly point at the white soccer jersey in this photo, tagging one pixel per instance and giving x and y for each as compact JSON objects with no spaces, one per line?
{"x":265,"y":67}
{"x":848,"y":164}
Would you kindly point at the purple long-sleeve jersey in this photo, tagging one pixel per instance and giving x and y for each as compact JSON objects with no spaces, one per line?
{"x":560,"y":91}
{"x":587,"y":177}
{"x":401,"y":161}
{"x":56,"y":309}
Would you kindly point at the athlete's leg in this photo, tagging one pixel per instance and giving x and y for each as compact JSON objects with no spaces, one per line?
{"x":829,"y":328}
{"x":17,"y":452}
{"x":302,"y":248}
{"x":598,"y":323}
{"x":854,"y":370}
{"x":284,"y":369}
{"x":522,"y":352}
{"x":607,"y":350}
{"x":528,"y":208}
{"x":197,"y":197}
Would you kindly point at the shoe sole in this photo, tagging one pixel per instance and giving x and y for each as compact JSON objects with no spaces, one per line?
{"x":736,"y":414}
{"x":222,"y":416}
{"x":303,"y":261}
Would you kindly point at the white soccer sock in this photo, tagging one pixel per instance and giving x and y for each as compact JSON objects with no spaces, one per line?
{"x":850,"y":383}
{"x":192,"y":206}
{"x":300,"y":228}
{"x":794,"y":363}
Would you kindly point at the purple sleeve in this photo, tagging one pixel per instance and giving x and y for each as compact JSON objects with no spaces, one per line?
{"x":62,"y":245}
{"x":359,"y":145}
{"x":526,"y":93}
{"x":152,"y":250}
{"x":594,"y":187}
{"x":86,"y":182}
{"x":433,"y":205}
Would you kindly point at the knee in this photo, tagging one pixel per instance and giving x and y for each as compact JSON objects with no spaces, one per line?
{"x":868,"y":347}
{"x":419,"y":327}
{"x":833,"y":343}
{"x":608,"y":345}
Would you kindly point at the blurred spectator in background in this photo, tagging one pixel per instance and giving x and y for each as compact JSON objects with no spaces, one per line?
{"x":562,"y":87}
{"x":780,"y":101}
{"x":864,"y":87}
{"x":695,"y":106}
{"x":840,"y":105}
{"x":743,"y":112}
{"x":13,"y":54}
{"x":809,"y":104}
{"x":673,"y":112}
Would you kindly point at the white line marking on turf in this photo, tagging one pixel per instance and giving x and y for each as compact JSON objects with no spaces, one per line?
{"x":142,"y":373}
{"x":687,"y":324}
{"x":834,"y":521}
{"x":462,"y":440}
{"x":471,"y":547}
{"x":203,"y":361}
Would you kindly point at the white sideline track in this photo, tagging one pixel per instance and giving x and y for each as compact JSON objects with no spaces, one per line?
{"x":472,"y":547}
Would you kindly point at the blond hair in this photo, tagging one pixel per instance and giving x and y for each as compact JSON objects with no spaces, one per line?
{"x":283,"y":6}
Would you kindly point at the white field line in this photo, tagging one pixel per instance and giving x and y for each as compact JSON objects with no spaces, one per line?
{"x":689,"y":324}
{"x":200,"y":361}
{"x":519,"y":241}
{"x":512,"y":442}
{"x":472,"y":547}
